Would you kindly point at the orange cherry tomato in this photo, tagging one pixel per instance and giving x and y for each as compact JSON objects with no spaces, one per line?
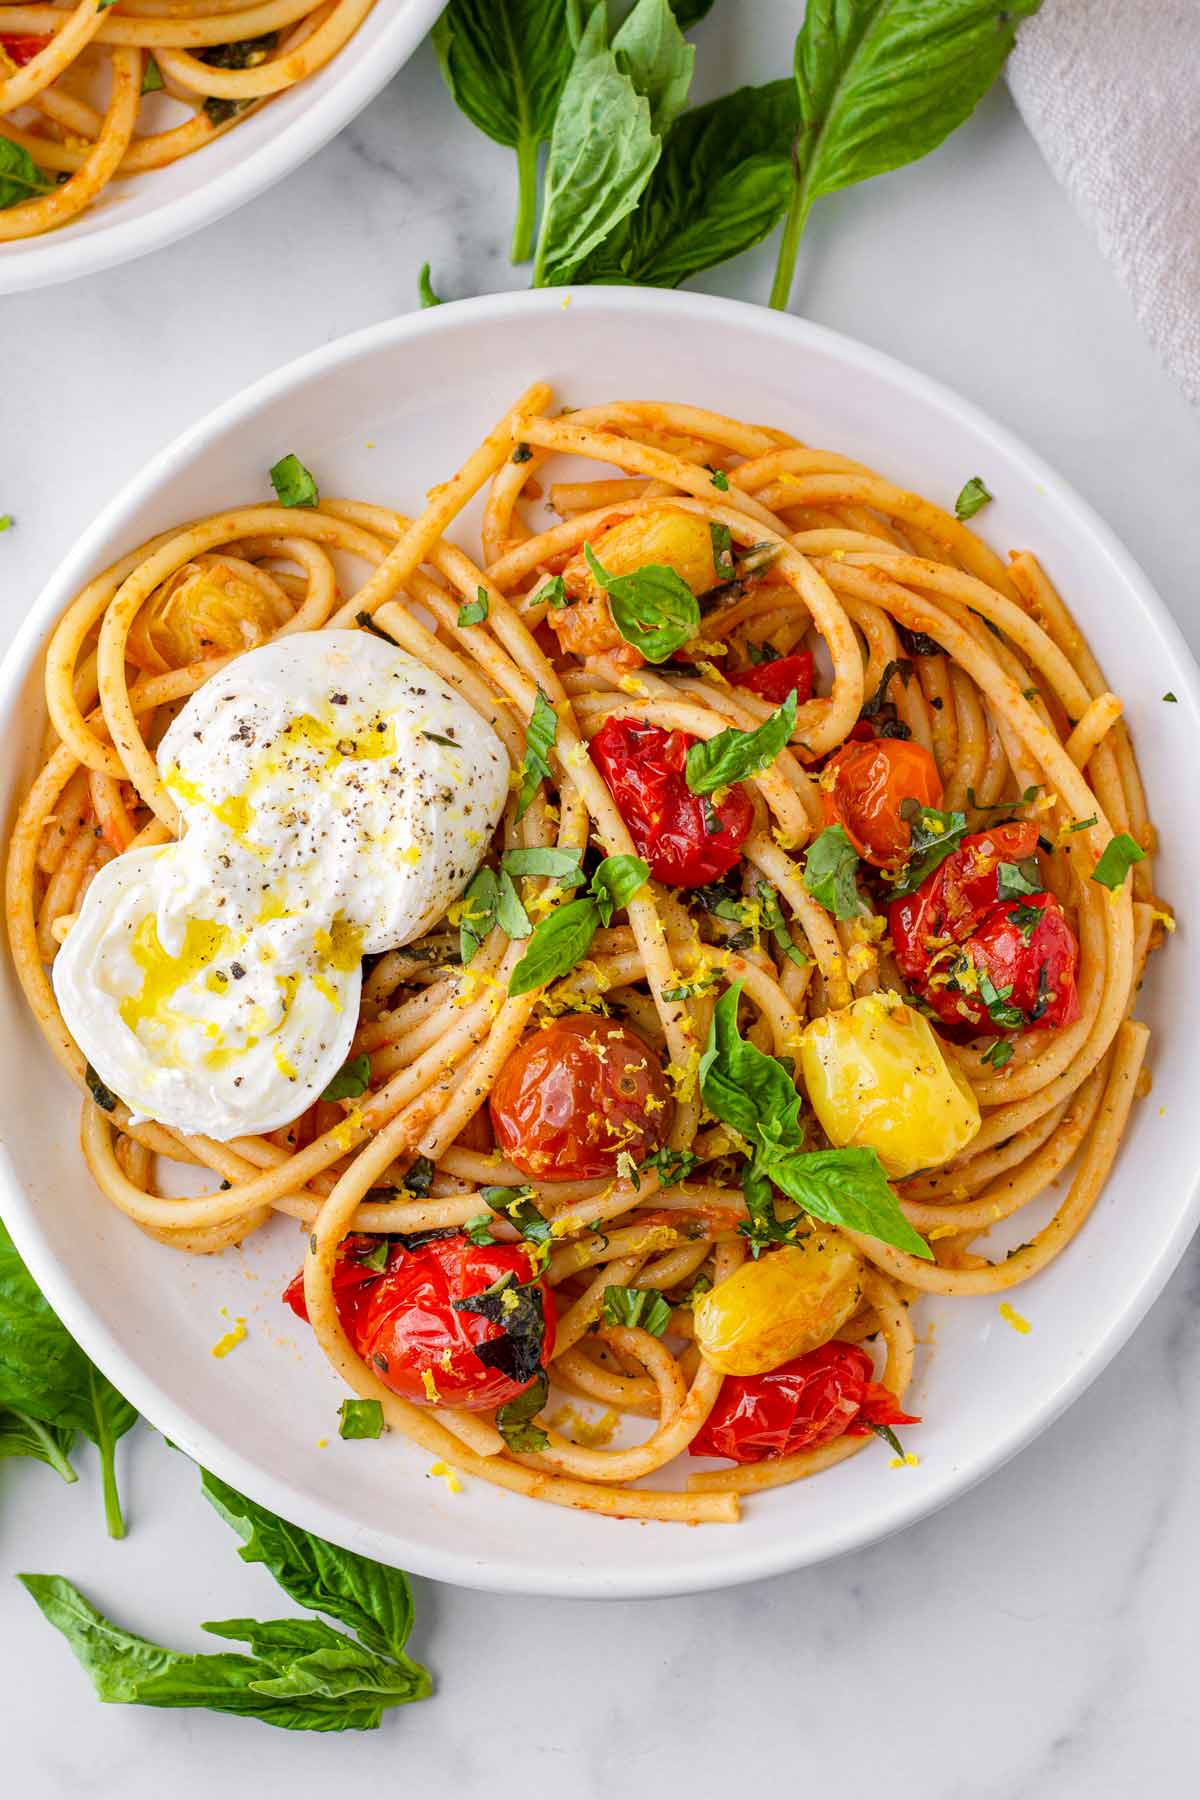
{"x":575,"y":1095}
{"x":864,"y":786}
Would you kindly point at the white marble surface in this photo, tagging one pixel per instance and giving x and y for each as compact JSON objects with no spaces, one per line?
{"x":1037,"y":1640}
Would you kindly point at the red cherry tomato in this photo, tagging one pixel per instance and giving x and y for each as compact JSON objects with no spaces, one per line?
{"x":956,"y":917}
{"x":401,"y":1318}
{"x":774,"y":681}
{"x":671,"y":827}
{"x":22,"y":50}
{"x":828,"y":1393}
{"x":864,"y":785}
{"x":575,"y":1095}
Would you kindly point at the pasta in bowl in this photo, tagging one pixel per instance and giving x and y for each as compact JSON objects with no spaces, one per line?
{"x":684,"y":927}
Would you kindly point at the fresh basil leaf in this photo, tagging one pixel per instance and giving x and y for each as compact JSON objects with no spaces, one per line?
{"x":374,"y":1601}
{"x":647,"y":1308}
{"x":425,"y":291}
{"x":741,"y":1085}
{"x":561,"y":865}
{"x":830,"y":867}
{"x":45,"y":1375}
{"x":996,"y":1000}
{"x":351,"y":1080}
{"x":518,"y":1309}
{"x":559,"y":941}
{"x":517,"y":1206}
{"x":616,"y":881}
{"x":845,"y":1187}
{"x":763,"y":1226}
{"x":510,"y":914}
{"x":1117,"y":858}
{"x":934,"y":836}
{"x":972,"y":498}
{"x":23,"y":1435}
{"x":505,"y":62}
{"x":360,"y":1419}
{"x":872,"y":707}
{"x":102,"y":1095}
{"x":722,"y":183}
{"x":514,"y":1420}
{"x":998,"y":1053}
{"x":553,"y":593}
{"x":293,"y":484}
{"x":302,"y":1675}
{"x":603,"y":149}
{"x":1013,"y":880}
{"x":20,"y":177}
{"x":479,"y":1229}
{"x":540,"y":734}
{"x":475,"y":611}
{"x":652,"y":51}
{"x":654,"y":609}
{"x":419,"y":1179}
{"x":733,"y":755}
{"x":880,"y":84}
{"x":478,"y":912}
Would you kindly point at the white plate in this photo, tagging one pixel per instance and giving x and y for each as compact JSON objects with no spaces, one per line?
{"x":421,"y":391}
{"x":144,"y":212}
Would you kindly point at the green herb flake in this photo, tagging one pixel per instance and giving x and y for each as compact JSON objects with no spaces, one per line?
{"x":515,"y":1419}
{"x":647,"y":1308}
{"x":722,"y":551}
{"x":152,"y":81}
{"x":475,"y":611}
{"x":293,"y":484}
{"x":425,"y":291}
{"x":540,"y":735}
{"x":104,"y":1097}
{"x":360,"y":1419}
{"x":720,"y":480}
{"x":972,"y":498}
{"x":1117,"y":858}
{"x":1170,"y":698}
{"x":351,"y":1080}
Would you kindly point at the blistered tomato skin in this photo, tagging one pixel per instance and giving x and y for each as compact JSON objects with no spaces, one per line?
{"x":827,"y":1394}
{"x":687,"y":840}
{"x":864,"y":785}
{"x":576,"y":1095}
{"x":876,"y":1078}
{"x":772,"y":1310}
{"x":774,"y":681}
{"x":402,"y":1321}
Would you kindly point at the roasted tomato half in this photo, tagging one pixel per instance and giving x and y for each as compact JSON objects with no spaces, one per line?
{"x":982,"y":964}
{"x":774,"y":681}
{"x":829,"y":1393}
{"x":399,"y":1309}
{"x":575,"y":1095}
{"x":22,"y":50}
{"x":686,"y":838}
{"x":864,"y":786}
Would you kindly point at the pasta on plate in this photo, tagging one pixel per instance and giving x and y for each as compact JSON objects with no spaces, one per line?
{"x":793,"y":947}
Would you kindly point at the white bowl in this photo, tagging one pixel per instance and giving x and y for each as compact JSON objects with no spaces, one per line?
{"x":144,"y":212}
{"x":421,"y":391}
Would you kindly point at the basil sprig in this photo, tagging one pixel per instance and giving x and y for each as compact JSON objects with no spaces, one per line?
{"x":563,"y":937}
{"x":654,"y":609}
{"x":754,"y":1093}
{"x":351,"y":1080}
{"x":49,"y":1390}
{"x":830,"y":870}
{"x":300,"y":1673}
{"x":733,"y":755}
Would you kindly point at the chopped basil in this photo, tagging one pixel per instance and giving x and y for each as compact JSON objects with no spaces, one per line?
{"x":830,"y":866}
{"x":360,"y":1419}
{"x":671,"y":1166}
{"x":996,"y":1000}
{"x":425,"y":291}
{"x":1043,"y":996}
{"x":654,"y":609}
{"x":419,"y":1179}
{"x":293,"y":484}
{"x":479,"y":1229}
{"x":152,"y":81}
{"x":722,"y":550}
{"x":104,"y":1097}
{"x":475,"y":611}
{"x":1002,"y":806}
{"x":478,"y":915}
{"x":1027,"y":919}
{"x":553,"y":593}
{"x":917,"y":643}
{"x":1083,"y":825}
{"x":720,"y":480}
{"x":563,"y":937}
{"x":540,"y":734}
{"x":435,"y":737}
{"x":998,"y":1053}
{"x":774,"y":922}
{"x":934,"y":835}
{"x":732,"y":755}
{"x":1015,"y":879}
{"x":518,"y":1309}
{"x":517,"y":1206}
{"x":1169,"y":696}
{"x":351,"y":1080}
{"x":879,"y":699}
{"x":376,"y":1258}
{"x":645,"y":1307}
{"x":1118,"y":857}
{"x":755,"y":1094}
{"x":514,"y":1420}
{"x":972,"y":498}
{"x":561,"y":865}
{"x":522,"y":454}
{"x":20,"y":177}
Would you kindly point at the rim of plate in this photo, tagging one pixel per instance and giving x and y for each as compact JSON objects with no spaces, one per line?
{"x":727,"y":1567}
{"x":47,"y":261}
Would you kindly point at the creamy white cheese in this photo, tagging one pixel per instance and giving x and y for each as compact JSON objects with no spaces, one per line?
{"x":336,"y":796}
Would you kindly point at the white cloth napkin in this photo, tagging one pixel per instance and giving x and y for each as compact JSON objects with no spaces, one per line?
{"x":1110,"y":90}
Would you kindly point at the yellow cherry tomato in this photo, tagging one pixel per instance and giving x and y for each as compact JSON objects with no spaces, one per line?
{"x":788,"y":1302}
{"x":877,"y":1078}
